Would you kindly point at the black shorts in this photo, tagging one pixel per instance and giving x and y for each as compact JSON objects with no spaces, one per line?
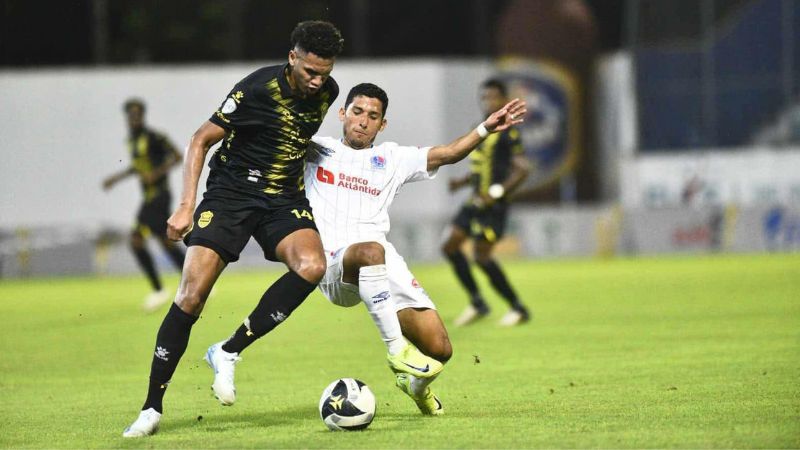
{"x":225,"y":220}
{"x":487,"y":224}
{"x":153,"y":215}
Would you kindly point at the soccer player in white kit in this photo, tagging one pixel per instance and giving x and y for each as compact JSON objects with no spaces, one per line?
{"x":350,"y":184}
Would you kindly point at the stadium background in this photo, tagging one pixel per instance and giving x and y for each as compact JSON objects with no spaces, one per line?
{"x":656,"y":126}
{"x":664,"y":133}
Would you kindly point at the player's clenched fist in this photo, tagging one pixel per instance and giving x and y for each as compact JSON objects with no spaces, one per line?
{"x":179,"y":224}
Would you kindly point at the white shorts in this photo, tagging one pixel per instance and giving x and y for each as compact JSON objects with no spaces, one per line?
{"x":406,"y":291}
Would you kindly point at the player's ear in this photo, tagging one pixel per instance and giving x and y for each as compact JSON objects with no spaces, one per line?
{"x":341,"y":114}
{"x":292,"y":58}
{"x":383,"y":125}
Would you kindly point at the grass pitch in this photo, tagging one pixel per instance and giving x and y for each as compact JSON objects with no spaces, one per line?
{"x":646,"y":353}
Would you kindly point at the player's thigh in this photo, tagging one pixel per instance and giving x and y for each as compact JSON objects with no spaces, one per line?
{"x":333,"y":286}
{"x":490,"y":224}
{"x":201,"y":269}
{"x":425,"y":329}
{"x":359,"y":255}
{"x":287,"y":233}
{"x":456,"y":233}
{"x":154,"y":214}
{"x":483,"y":250}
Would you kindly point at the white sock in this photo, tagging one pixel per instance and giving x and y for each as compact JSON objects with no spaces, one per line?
{"x":373,"y":287}
{"x":418,"y":385}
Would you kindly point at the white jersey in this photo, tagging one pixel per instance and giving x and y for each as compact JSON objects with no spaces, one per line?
{"x":350,"y":191}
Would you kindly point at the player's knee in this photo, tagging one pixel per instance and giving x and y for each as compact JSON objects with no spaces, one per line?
{"x":191,"y":301}
{"x":442,"y":350}
{"x":370,"y":254}
{"x":483,"y":259}
{"x":311,"y":268}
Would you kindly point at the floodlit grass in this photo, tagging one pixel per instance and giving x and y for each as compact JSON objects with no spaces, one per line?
{"x":632,"y":353}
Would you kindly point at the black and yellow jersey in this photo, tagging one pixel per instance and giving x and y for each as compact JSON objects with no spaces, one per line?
{"x":490,"y":162}
{"x":148,"y":150}
{"x":267,"y":132}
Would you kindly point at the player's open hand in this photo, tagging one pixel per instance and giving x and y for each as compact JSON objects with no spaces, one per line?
{"x":511,"y":114}
{"x":179,"y":224}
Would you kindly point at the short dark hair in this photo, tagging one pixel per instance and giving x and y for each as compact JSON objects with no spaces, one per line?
{"x":368,"y":90}
{"x":133,"y":102}
{"x":495,"y":83}
{"x":318,"y":37}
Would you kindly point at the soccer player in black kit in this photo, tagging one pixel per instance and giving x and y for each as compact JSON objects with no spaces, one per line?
{"x":152,"y":157}
{"x":497,"y":167}
{"x":255,"y":188}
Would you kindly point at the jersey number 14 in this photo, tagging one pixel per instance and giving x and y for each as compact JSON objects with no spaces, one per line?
{"x":301,"y":214}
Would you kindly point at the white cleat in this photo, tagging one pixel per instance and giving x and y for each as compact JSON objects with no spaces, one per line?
{"x":223,"y":364}
{"x":145,"y":425}
{"x":514,"y":317}
{"x":469,"y":315}
{"x":155,"y":300}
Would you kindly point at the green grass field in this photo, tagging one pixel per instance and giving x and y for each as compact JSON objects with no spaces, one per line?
{"x":632,"y":353}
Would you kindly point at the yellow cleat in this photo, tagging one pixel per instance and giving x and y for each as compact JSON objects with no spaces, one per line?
{"x":428,"y":403}
{"x":411,"y":361}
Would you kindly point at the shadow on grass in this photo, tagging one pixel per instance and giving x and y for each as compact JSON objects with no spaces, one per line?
{"x":224,"y":421}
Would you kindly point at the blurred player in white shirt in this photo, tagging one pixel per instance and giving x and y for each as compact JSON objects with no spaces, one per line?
{"x":350,"y":184}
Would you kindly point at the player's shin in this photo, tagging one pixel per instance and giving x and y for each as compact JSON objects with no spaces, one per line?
{"x":277,"y":303}
{"x":171,"y":342}
{"x":373,"y":288}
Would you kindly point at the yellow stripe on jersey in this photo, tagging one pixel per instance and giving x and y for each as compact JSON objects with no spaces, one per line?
{"x":481,"y":161}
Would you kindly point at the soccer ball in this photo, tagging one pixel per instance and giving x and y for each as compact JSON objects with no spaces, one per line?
{"x":347,"y":404}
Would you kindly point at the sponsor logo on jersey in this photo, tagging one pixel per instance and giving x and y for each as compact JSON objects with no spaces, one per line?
{"x":326,"y":176}
{"x":378,"y":162}
{"x":346,"y":181}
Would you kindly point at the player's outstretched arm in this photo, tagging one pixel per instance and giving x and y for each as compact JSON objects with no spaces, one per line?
{"x":113,"y":179}
{"x":510,"y":114}
{"x":206,"y":136}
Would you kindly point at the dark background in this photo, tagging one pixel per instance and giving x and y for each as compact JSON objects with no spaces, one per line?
{"x":87,"y":32}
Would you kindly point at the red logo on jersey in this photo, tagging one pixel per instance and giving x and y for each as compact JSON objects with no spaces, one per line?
{"x":346,"y":181}
{"x":325,"y":176}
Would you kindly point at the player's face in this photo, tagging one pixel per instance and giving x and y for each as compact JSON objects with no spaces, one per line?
{"x":362,"y":120}
{"x":309,"y":71}
{"x":491,"y":100}
{"x":135,"y":117}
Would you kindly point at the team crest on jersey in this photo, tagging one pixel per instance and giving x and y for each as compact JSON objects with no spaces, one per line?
{"x":205,"y":219}
{"x":378,"y":162}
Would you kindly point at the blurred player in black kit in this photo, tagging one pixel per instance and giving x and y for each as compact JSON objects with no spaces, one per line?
{"x":497,"y":167}
{"x":255,"y":188}
{"x":152,"y":156}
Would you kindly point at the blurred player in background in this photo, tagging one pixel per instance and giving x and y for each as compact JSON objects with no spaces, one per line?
{"x":153,"y":156}
{"x":255,"y":188}
{"x":351,"y":184}
{"x":497,"y":168}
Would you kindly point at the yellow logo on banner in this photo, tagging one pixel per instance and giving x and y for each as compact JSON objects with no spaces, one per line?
{"x":205,"y":219}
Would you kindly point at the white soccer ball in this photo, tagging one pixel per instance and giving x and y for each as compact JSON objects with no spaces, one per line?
{"x":347,"y":404}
